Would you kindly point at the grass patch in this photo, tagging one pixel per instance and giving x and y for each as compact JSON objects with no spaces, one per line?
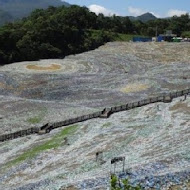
{"x":34,"y":120}
{"x":113,"y":36}
{"x":53,"y":143}
{"x":37,"y":119}
{"x":123,"y":37}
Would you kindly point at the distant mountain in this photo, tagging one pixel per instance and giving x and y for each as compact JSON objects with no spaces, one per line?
{"x":144,"y":18}
{"x":5,"y":17}
{"x":11,"y":10}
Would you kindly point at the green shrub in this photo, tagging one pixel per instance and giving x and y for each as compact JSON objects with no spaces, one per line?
{"x":116,"y":184}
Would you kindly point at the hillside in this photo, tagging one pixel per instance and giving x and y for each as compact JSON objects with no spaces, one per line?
{"x":59,"y":31}
{"x":143,"y":18}
{"x":21,"y":8}
{"x":154,"y":138}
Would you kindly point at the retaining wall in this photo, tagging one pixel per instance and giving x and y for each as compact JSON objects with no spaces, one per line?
{"x":75,"y":120}
{"x":151,"y":100}
{"x":18,"y":134}
{"x":49,"y":126}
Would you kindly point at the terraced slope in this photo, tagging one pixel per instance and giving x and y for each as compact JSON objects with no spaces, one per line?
{"x":53,"y":90}
{"x":154,"y":139}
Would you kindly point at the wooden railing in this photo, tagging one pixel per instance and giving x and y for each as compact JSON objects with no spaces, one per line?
{"x":105,"y":113}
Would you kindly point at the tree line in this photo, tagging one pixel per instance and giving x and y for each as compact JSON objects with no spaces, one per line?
{"x":57,"y":32}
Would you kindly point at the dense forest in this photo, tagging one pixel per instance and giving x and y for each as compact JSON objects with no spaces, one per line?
{"x":57,"y":32}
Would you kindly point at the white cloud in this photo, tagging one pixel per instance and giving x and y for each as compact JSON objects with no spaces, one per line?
{"x":175,"y":12}
{"x":156,"y":15}
{"x":135,"y":11}
{"x":99,"y":9}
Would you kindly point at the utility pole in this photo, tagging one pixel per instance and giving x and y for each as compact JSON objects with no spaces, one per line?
{"x":156,"y":31}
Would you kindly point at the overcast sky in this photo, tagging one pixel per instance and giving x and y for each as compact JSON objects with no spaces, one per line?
{"x":160,"y":8}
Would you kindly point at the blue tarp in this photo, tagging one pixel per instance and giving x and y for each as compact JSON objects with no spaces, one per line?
{"x":141,"y":39}
{"x":160,"y":38}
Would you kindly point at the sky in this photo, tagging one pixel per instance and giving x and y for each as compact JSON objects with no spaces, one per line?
{"x":160,"y":8}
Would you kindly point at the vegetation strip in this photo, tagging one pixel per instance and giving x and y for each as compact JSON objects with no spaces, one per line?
{"x":54,"y":142}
